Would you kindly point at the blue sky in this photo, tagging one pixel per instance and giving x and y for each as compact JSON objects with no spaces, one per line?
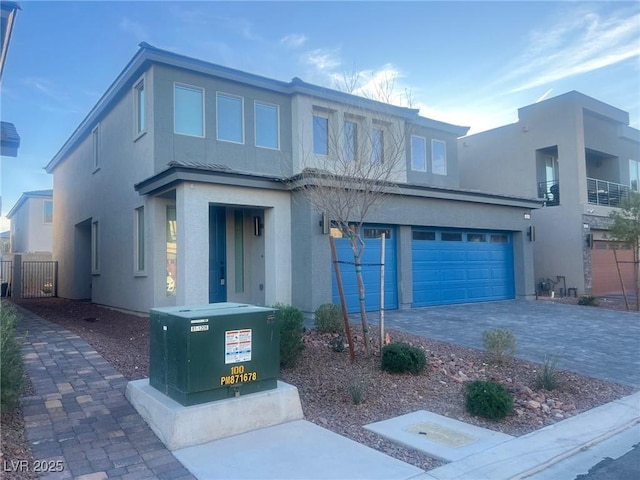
{"x":468,"y":63}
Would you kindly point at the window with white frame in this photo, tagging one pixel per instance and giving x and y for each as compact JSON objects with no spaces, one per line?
{"x":320,"y":134}
{"x":229,"y":118}
{"x":139,"y":255}
{"x":95,"y":145}
{"x":139,"y":108}
{"x":377,"y":147}
{"x":634,"y":175}
{"x":188,"y":110}
{"x":438,"y":157}
{"x":47,"y":213}
{"x":350,"y":140}
{"x":95,"y":247}
{"x":418,"y":153}
{"x":267,"y":125}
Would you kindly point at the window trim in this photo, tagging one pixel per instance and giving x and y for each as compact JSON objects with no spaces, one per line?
{"x":139,"y":111}
{"x":255,"y":123}
{"x":435,"y":141}
{"x":325,"y":116}
{"x":242,"y":133}
{"x":350,"y":142}
{"x":95,"y":246}
{"x":95,"y":146}
{"x":44,"y":212}
{"x":424,"y":141}
{"x":186,"y":86}
{"x":139,"y":250}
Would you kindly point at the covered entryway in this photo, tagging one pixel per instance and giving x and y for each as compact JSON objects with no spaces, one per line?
{"x":606,"y":280}
{"x":370,"y":270}
{"x":457,"y":266}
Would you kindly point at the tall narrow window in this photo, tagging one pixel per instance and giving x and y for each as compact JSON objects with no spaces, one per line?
{"x":266,"y":118}
{"x":95,"y":247}
{"x":95,"y":142}
{"x":438,"y":157}
{"x":320,"y":135}
{"x":172,"y":251}
{"x":47,"y":211}
{"x":188,"y":110}
{"x":634,"y":175}
{"x":418,"y":153}
{"x":229,"y":118}
{"x":350,"y":141}
{"x":139,"y":240}
{"x":377,"y":147}
{"x":139,"y":96}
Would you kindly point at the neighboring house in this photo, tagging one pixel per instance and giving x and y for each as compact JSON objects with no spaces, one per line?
{"x":9,"y":138}
{"x":5,"y":242}
{"x":182,"y":186}
{"x":581,"y":157}
{"x":32,"y":222}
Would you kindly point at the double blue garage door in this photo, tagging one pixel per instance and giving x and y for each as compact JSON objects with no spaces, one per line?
{"x":449,"y":266}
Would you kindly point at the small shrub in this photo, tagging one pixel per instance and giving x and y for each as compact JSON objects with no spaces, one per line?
{"x":488,"y":399}
{"x":357,"y":390}
{"x":588,"y":300}
{"x":399,"y":358}
{"x":11,"y":363}
{"x":549,"y":377}
{"x":337,"y":343}
{"x":290,"y":321}
{"x":328,"y":318}
{"x":499,"y":345}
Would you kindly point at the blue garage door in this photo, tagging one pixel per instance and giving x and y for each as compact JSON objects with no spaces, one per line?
{"x":370,"y":271}
{"x":454,"y":266}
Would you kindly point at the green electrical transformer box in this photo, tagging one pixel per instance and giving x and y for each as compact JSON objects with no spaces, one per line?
{"x":211,"y":352}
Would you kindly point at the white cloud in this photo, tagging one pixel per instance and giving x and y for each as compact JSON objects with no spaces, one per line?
{"x":136,"y":29}
{"x":42,"y":85}
{"x":293,"y":40}
{"x":323,"y":59}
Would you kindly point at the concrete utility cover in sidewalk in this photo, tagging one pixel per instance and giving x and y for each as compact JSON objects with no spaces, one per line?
{"x":438,"y":436}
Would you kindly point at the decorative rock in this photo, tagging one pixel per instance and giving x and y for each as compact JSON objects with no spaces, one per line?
{"x":533,"y":405}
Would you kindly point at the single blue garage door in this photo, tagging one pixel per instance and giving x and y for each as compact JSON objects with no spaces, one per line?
{"x":370,"y":270}
{"x":454,"y":266}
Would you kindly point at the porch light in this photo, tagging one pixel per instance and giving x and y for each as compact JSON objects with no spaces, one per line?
{"x":324,"y":224}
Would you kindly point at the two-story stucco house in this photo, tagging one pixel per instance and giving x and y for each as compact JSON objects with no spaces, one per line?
{"x":182,"y":186}
{"x":579,"y":156}
{"x":32,"y":223}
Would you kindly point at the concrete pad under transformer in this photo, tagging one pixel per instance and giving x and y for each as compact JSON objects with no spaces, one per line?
{"x":179,"y":426}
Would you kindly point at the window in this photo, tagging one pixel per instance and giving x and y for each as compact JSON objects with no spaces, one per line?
{"x":139,"y":99}
{"x":95,"y":247}
{"x":267,"y":130}
{"x":499,"y":239}
{"x":188,"y":110}
{"x":238,"y":235}
{"x":95,"y":142}
{"x":172,"y":251}
{"x":634,"y":175}
{"x":350,"y":141}
{"x":376,"y":233}
{"x":418,"y":235}
{"x":438,"y":157}
{"x":451,"y":237}
{"x":476,"y":237}
{"x":418,"y":153}
{"x":139,"y":240}
{"x":377,"y":148}
{"x":229,"y":118}
{"x":320,"y":135}
{"x":48,"y":211}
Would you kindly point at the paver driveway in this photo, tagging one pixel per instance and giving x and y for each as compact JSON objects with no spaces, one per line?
{"x":592,"y":341}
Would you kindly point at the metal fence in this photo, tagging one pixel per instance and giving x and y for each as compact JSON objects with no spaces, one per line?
{"x":6,"y":276}
{"x":39,"y":279}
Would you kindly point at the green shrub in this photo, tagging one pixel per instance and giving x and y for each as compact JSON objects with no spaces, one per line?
{"x":328,"y":318}
{"x":549,"y":377}
{"x":11,"y":363}
{"x":290,"y":321}
{"x":399,"y":358}
{"x":499,"y":345}
{"x":357,"y":390}
{"x":488,"y":399}
{"x":588,"y":300}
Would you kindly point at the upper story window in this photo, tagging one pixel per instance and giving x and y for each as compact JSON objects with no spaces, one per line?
{"x":229,"y":118}
{"x":418,"y":153}
{"x":267,"y":125}
{"x":47,"y":213}
{"x":320,"y":134}
{"x":188,"y":110}
{"x":634,"y":175}
{"x":350,"y":140}
{"x":95,"y":145}
{"x":438,"y":157}
{"x":139,"y":99}
{"x":377,"y":147}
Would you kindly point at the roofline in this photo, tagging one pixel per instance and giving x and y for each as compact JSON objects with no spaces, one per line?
{"x":150,"y":54}
{"x":26,"y":195}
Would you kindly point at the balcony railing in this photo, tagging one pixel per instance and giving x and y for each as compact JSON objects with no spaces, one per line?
{"x":601,"y":192}
{"x":550,"y":191}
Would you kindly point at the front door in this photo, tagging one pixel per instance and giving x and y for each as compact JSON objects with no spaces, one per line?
{"x":217,"y":255}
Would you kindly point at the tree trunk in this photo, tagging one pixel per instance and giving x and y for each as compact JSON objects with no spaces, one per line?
{"x":624,"y":292}
{"x":357,"y":260}
{"x":343,"y":303}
